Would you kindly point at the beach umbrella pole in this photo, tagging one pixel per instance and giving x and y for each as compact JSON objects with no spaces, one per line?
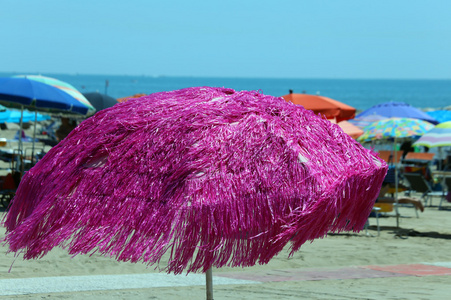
{"x":34,"y":137}
{"x":21,"y":159}
{"x":396,"y":184}
{"x":209,"y":281}
{"x":20,"y":132}
{"x":440,"y":155}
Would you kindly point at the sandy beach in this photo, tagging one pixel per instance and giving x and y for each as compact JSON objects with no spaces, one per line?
{"x":417,"y":241}
{"x":409,"y":262}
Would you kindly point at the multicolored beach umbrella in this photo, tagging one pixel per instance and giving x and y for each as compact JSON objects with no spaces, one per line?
{"x":395,"y":128}
{"x":66,"y":87}
{"x":439,"y":136}
{"x":212,"y":176}
{"x":22,"y":92}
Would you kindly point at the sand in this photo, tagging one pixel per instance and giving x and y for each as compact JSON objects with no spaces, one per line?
{"x":335,"y":267}
{"x":419,"y":240}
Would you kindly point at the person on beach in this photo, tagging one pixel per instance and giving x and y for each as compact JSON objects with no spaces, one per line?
{"x":406,"y":147}
{"x":66,"y":127}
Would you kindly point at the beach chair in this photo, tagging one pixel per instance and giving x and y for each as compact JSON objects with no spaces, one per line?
{"x":418,"y":158}
{"x":389,"y":156}
{"x":25,"y":138}
{"x":376,"y":210}
{"x":419,"y":184}
{"x":50,"y":130}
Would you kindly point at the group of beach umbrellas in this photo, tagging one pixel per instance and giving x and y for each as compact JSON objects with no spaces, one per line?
{"x":47,"y":95}
{"x":384,"y":121}
{"x":404,"y":121}
{"x":212,"y":176}
{"x":51,"y":97}
{"x":389,"y":120}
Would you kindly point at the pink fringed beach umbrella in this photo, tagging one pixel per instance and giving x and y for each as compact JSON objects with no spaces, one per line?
{"x":214,"y":176}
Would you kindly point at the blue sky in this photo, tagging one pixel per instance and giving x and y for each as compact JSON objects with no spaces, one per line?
{"x":245,"y":38}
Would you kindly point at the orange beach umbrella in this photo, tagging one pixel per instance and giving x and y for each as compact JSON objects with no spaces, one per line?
{"x":349,"y":128}
{"x":125,"y":99}
{"x":323,"y":105}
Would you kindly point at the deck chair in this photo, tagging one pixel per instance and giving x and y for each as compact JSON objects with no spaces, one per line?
{"x":419,"y":157}
{"x":376,"y":211}
{"x":50,"y":130}
{"x":418,"y":183}
{"x":388,"y":156}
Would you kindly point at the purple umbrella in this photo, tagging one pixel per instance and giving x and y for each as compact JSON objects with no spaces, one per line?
{"x":397,"y":110}
{"x":214,"y":176}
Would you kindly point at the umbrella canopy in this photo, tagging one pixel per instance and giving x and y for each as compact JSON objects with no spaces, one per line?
{"x":397,"y":110}
{"x":214,"y":176}
{"x":35,"y":95}
{"x":395,"y":128}
{"x":13,"y":116}
{"x":328,"y":107}
{"x":439,"y":136}
{"x":350,"y":129}
{"x":364,"y":121}
{"x":440,"y":115}
{"x":100,"y":101}
{"x":64,"y":86}
{"x":125,"y":99}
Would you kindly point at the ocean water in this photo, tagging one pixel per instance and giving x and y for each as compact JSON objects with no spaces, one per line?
{"x":359,"y":93}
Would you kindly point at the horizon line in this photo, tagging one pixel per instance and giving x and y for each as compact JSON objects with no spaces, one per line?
{"x":218,"y":77}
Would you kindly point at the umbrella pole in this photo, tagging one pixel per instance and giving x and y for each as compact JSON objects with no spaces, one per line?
{"x":440,"y":158}
{"x":34,"y":137}
{"x":396,"y":184}
{"x":20,"y":130}
{"x":21,"y":158}
{"x":209,"y":280}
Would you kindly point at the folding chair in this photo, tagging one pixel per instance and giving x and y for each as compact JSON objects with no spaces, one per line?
{"x":418,"y":157}
{"x":376,"y":210}
{"x":389,"y":156}
{"x":419,"y":184}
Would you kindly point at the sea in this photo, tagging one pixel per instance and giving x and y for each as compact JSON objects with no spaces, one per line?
{"x":359,"y":93}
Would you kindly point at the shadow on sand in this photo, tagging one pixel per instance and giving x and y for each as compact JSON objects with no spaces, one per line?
{"x":402,"y":233}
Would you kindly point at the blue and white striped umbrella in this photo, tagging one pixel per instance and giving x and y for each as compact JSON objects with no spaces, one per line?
{"x":439,"y":136}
